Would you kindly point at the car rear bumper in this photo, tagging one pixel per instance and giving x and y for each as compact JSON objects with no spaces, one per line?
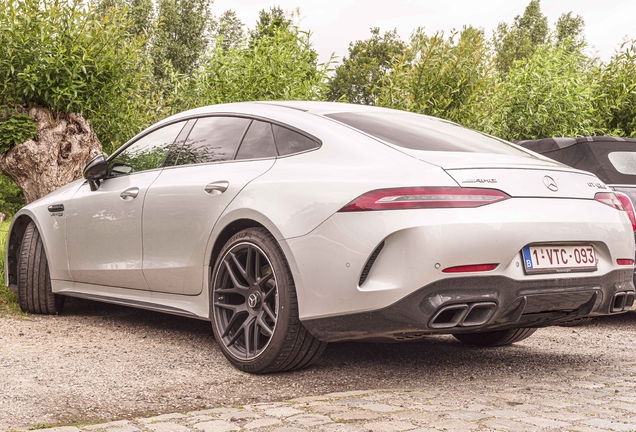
{"x":471,"y":304}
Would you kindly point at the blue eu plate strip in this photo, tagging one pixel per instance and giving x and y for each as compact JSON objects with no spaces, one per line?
{"x":527,"y":258}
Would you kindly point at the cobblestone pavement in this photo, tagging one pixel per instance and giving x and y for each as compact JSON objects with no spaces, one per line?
{"x":603,"y":399}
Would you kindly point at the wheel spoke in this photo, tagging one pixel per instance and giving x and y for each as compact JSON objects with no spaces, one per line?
{"x":249,"y":264}
{"x":248,"y":328}
{"x":263,"y":280}
{"x":266,"y":329}
{"x":238,"y":265}
{"x":257,"y":265}
{"x":269,"y":312}
{"x":231,"y":323}
{"x":237,"y":284}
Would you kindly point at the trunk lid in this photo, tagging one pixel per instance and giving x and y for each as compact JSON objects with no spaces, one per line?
{"x":518,"y":176}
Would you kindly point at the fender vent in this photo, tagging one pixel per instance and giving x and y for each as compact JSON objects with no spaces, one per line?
{"x":369,"y":264}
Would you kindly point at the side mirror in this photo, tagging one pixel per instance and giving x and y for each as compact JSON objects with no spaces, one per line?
{"x":95,"y":170}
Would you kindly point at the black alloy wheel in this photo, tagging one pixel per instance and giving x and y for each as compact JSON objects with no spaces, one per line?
{"x":246,"y":301}
{"x":253,"y":307}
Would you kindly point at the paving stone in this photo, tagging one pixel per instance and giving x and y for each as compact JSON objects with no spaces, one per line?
{"x":328,"y":409}
{"x":214,"y":411}
{"x":289,"y":429}
{"x":506,"y":425}
{"x":239,"y":415}
{"x":511,"y":414}
{"x":342,"y":427}
{"x":261,"y":423}
{"x":309,"y":399}
{"x":216,"y":426}
{"x":467,"y":415}
{"x":349,"y":393}
{"x":63,"y":429}
{"x":544,"y":422}
{"x":283,"y":412}
{"x":162,"y":417}
{"x":125,"y":428}
{"x":355,"y":415}
{"x":377,"y":407}
{"x":101,"y":426}
{"x":454,"y":425}
{"x":392,"y":426}
{"x":199,"y":418}
{"x":607,"y":424}
{"x":418,"y":416}
{"x":309,"y":420}
{"x":167,"y":427}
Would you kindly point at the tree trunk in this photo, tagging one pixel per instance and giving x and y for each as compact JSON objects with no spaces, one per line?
{"x":65,"y":143}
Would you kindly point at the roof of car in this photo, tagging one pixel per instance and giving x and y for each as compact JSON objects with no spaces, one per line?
{"x":586,"y":153}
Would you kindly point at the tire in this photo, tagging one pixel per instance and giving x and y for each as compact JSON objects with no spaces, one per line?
{"x":495,"y":338}
{"x":575,"y":322}
{"x":34,"y":281}
{"x":253,"y":307}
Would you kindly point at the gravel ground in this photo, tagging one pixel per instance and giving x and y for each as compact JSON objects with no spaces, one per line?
{"x":99,"y":362}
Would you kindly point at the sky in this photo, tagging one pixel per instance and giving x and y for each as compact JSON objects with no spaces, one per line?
{"x":335,"y":23}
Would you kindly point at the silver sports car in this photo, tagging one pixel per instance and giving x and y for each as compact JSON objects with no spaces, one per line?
{"x":292,"y":224}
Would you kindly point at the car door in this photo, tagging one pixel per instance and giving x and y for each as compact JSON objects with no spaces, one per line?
{"x":104,"y":238}
{"x":184,"y":203}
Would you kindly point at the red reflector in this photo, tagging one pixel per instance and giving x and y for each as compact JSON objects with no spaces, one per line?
{"x":628,"y":262}
{"x":608,"y":198}
{"x":470,"y":268}
{"x":629,"y":208}
{"x":424,"y":197}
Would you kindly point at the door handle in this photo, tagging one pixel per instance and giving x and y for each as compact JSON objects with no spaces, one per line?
{"x":216,"y":188}
{"x":129,"y":194}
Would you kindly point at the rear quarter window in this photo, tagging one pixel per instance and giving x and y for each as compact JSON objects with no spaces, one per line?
{"x":418,"y":132}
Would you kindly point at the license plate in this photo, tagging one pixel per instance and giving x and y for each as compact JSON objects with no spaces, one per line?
{"x":559,"y":258}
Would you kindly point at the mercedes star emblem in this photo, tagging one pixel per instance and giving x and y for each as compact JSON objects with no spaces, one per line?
{"x":550,"y":183}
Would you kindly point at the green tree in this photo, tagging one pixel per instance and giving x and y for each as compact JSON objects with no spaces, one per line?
{"x":357,"y":79}
{"x":571,"y":30}
{"x":519,"y":40}
{"x":228,"y":29}
{"x":60,"y":59}
{"x":281,"y":65}
{"x":549,"y":95}
{"x":181,"y":37}
{"x":269,"y":22}
{"x":140,"y":14}
{"x":617,"y":91}
{"x":449,"y":77}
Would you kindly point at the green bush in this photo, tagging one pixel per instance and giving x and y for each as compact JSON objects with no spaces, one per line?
{"x":551,"y":94}
{"x":15,"y":128}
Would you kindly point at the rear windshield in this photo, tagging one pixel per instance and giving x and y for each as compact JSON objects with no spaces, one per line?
{"x":419,"y":132}
{"x":624,"y":162}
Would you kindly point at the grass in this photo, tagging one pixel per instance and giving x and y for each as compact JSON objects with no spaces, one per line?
{"x":8,"y":299}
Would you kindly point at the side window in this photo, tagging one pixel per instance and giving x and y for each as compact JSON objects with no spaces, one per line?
{"x":146,"y":153}
{"x":290,"y":142}
{"x":258,"y":142}
{"x":213,"y":139}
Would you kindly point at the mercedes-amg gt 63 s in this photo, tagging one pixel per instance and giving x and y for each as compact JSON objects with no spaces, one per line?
{"x":292,"y":224}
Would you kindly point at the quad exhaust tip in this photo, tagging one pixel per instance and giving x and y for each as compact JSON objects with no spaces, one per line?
{"x":463,"y":315}
{"x":622,"y":301}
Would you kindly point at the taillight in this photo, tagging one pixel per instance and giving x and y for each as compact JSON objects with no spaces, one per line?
{"x":625,"y":262}
{"x":423,"y":198}
{"x":610,"y":199}
{"x":629,"y":208}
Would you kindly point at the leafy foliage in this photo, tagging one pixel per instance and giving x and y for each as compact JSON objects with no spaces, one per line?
{"x":11,"y":198}
{"x":181,"y":37}
{"x":443,"y":77}
{"x":228,"y":28}
{"x":63,"y":55}
{"x":519,"y":40}
{"x":357,"y":79}
{"x":15,"y":128}
{"x":617,"y":91}
{"x":282,"y":65}
{"x":551,"y":94}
